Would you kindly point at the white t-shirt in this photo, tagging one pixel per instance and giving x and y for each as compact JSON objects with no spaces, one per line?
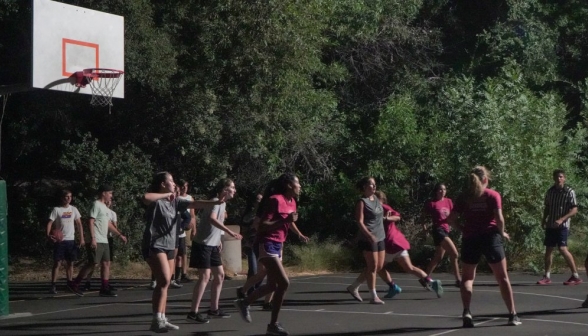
{"x":64,"y":220}
{"x":101,"y":215}
{"x":113,"y":220}
{"x":187,"y":198}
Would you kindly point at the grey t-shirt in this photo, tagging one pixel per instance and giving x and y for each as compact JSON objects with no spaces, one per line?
{"x":206,"y":233}
{"x":162,"y":218}
{"x":373,"y":219}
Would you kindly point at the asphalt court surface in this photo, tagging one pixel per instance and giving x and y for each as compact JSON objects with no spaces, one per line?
{"x":315,"y":305}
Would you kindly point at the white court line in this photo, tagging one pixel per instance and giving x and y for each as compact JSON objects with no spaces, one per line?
{"x":555,"y":321}
{"x":452,"y":330}
{"x":16,"y":315}
{"x":442,"y":280}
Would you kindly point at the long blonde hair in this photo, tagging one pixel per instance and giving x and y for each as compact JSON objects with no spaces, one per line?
{"x":476,"y":181}
{"x":381,"y":196}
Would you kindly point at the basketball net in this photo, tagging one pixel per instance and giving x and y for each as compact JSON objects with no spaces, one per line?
{"x":103,"y":82}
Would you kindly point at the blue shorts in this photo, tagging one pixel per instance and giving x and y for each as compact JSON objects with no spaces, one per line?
{"x":556,"y":237}
{"x":65,"y":250}
{"x":270,"y":249}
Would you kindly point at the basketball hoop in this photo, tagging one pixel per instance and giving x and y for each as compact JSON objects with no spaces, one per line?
{"x":102,"y":82}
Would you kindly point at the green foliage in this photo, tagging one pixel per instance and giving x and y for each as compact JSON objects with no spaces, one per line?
{"x":324,"y":255}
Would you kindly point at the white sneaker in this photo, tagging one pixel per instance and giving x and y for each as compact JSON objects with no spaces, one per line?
{"x":153,"y":284}
{"x":170,"y":326}
{"x":175,"y":284}
{"x":158,"y":325}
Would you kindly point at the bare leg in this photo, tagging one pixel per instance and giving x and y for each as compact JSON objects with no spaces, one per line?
{"x":467,"y":284}
{"x":548,"y":259}
{"x":568,"y":258}
{"x":216,"y":287}
{"x":199,"y":288}
{"x":501,"y":276}
{"x":161,"y":270}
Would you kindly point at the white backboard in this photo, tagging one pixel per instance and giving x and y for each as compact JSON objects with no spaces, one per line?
{"x":67,"y":39}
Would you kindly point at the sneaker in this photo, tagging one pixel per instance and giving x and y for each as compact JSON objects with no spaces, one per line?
{"x":393,"y":291}
{"x":437,"y":287}
{"x":585,"y":303}
{"x":197,"y":317}
{"x":153,"y":284}
{"x":240,"y":293}
{"x":354,"y":292}
{"x":228,"y":277}
{"x":112,"y":288}
{"x":276,"y":329}
{"x":87,"y":286}
{"x":158,"y":325}
{"x":170,"y":326}
{"x":175,"y":284}
{"x":468,"y":321}
{"x":573,"y":281}
{"x":267,"y":306}
{"x":426,"y":283}
{"x":74,"y":289}
{"x":513,"y":320}
{"x":377,"y":301}
{"x":544,"y":281}
{"x":106,"y":292}
{"x":219,"y":313}
{"x":53,"y":290}
{"x":185,"y":278}
{"x":243,"y":309}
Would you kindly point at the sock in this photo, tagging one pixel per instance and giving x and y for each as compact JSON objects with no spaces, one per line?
{"x":178,"y":272}
{"x":104,"y":284}
{"x":159,"y":316}
{"x":548,"y":275}
{"x":390,"y":284}
{"x":374,"y":294}
{"x":575,"y":275}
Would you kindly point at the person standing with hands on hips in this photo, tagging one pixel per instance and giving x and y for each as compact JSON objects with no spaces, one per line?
{"x":559,"y":206}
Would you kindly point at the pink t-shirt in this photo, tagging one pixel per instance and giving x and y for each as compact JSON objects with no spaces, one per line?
{"x":478,"y":214}
{"x":395,"y":240}
{"x":276,"y":208}
{"x":439,"y":211}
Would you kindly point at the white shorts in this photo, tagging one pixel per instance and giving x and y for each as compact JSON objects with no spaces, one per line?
{"x":391,"y":257}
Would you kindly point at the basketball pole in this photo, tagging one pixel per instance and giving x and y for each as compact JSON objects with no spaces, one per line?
{"x":4,"y":295}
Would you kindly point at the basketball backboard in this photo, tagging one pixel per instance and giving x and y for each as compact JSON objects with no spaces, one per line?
{"x":68,"y":39}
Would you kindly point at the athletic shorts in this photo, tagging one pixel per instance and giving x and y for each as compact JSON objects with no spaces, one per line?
{"x":556,"y":237}
{"x":369,"y":247}
{"x":439,"y":235}
{"x":98,"y":255}
{"x":391,"y":256}
{"x":489,"y":245}
{"x":65,"y":250}
{"x":204,"y":256}
{"x":270,"y":249}
{"x":170,"y":254}
{"x":181,"y":246}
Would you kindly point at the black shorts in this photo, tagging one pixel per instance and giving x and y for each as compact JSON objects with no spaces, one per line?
{"x":65,"y":250}
{"x":204,"y":256}
{"x":489,"y":244}
{"x":171,"y":254}
{"x":556,"y":237}
{"x":181,"y":246}
{"x":369,"y":247}
{"x":439,"y":235}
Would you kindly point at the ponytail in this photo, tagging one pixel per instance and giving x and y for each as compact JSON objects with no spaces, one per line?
{"x":476,"y":181}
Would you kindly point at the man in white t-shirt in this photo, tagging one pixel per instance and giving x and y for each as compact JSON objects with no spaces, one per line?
{"x":64,"y":221}
{"x":98,"y":252}
{"x":114,"y":221}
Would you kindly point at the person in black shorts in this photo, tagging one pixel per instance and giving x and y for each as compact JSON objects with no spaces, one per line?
{"x":483,"y":231}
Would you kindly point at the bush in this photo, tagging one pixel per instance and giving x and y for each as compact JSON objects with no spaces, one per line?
{"x":327,"y":255}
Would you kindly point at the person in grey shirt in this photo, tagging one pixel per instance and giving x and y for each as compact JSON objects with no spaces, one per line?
{"x":159,"y":239}
{"x":369,"y":215}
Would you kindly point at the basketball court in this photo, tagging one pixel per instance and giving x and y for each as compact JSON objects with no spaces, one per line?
{"x":315,"y":305}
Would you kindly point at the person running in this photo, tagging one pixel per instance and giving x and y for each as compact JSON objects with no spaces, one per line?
{"x":206,"y":254}
{"x":159,"y":240}
{"x":369,"y":215}
{"x":278,"y":215}
{"x":63,"y":223}
{"x":439,"y":209}
{"x":98,"y":251}
{"x":397,"y":250}
{"x":483,"y":231}
{"x":559,"y":206}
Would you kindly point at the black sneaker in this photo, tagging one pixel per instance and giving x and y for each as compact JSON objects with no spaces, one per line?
{"x":513,"y":320}
{"x":585,"y":303}
{"x":267,"y":306}
{"x":87,"y":286}
{"x":197,"y":317}
{"x":276,"y":329}
{"x":240,"y":293}
{"x":426,"y":283}
{"x":468,"y":321}
{"x":106,"y":292}
{"x":74,"y":289}
{"x":112,"y":288}
{"x":53,"y":290}
{"x":243,"y":309}
{"x":219,"y":313}
{"x":185,"y":278}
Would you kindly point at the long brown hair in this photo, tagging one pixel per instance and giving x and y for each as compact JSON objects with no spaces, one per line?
{"x":475,"y":183}
{"x":381,"y":196}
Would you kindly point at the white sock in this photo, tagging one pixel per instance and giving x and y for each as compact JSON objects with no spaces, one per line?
{"x":374,"y":294}
{"x":158,"y":316}
{"x":548,"y":275}
{"x":576,"y":275}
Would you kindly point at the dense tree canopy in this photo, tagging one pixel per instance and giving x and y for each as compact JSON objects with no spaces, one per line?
{"x":411,"y":92}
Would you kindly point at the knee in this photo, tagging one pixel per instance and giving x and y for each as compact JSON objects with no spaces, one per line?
{"x":163,"y":283}
{"x":371,"y":269}
{"x":283,"y":284}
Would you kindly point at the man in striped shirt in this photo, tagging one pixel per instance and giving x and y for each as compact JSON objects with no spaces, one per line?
{"x":560,"y":206}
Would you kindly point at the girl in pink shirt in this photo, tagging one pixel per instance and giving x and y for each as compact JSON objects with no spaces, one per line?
{"x":439,"y":209}
{"x":483,"y":232}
